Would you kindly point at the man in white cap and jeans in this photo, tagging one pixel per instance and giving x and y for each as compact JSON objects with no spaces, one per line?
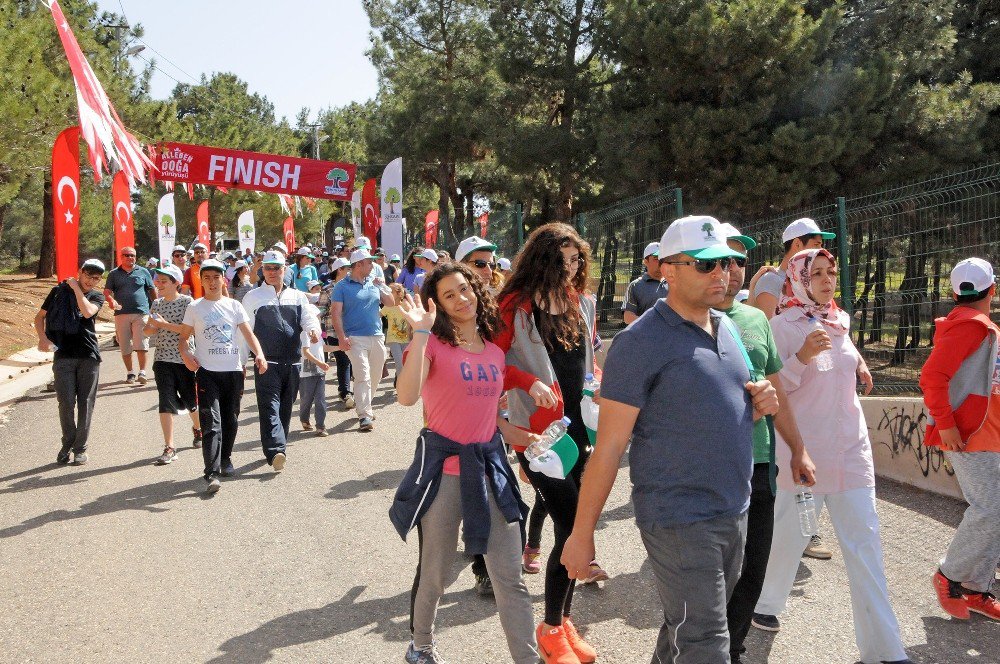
{"x":355,"y":311}
{"x":644,"y":291}
{"x":677,"y":383}
{"x":278,"y":315}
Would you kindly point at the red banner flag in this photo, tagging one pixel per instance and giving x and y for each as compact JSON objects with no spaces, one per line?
{"x":271,"y":173}
{"x":484,"y":222}
{"x":431,"y":229}
{"x":65,"y":210}
{"x":370,"y":217}
{"x":204,"y":232}
{"x":121,"y":206}
{"x":290,"y":234}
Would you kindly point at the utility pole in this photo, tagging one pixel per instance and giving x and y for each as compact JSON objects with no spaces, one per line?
{"x":315,"y":140}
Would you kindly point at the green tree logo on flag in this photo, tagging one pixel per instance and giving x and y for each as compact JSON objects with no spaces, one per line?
{"x":339,"y":177}
{"x":246,"y":229}
{"x":392,"y":197}
{"x":167,"y":221}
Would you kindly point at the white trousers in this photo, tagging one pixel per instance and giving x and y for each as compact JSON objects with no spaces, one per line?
{"x":367,"y":358}
{"x":856,"y":524}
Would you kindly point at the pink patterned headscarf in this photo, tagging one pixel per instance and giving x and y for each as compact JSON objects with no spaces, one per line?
{"x":797,"y":295}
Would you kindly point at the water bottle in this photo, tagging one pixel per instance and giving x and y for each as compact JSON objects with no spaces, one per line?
{"x":588,"y":409}
{"x":381,"y":285}
{"x":808,"y":523}
{"x":824,"y":361}
{"x":552,"y":433}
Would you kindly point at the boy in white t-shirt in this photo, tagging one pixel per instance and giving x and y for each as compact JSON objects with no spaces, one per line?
{"x":212,"y":321}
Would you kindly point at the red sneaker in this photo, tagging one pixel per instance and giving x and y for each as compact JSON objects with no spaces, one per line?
{"x":583,"y":650}
{"x":553,"y":646}
{"x":950,"y":596}
{"x":984,"y":604}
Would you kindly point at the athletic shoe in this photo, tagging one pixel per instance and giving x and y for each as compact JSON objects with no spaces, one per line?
{"x":306,"y":426}
{"x":817,"y":549}
{"x":530,"y":562}
{"x":985,"y":604}
{"x":278,"y":462}
{"x":596,"y":573}
{"x":583,"y":650}
{"x":950,"y":596}
{"x":168,"y":455}
{"x":349,"y":402}
{"x":321,"y":433}
{"x":79,"y":458}
{"x":227,"y":468}
{"x":426,"y":655}
{"x":483,"y":585}
{"x":197,"y":436}
{"x":553,"y":647}
{"x":214,"y":485}
{"x":766,"y":623}
{"x":142,"y":378}
{"x":63,"y":456}
{"x":366,"y":424}
{"x":129,"y":379}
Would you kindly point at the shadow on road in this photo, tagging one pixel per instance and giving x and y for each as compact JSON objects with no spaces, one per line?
{"x":385,"y":479}
{"x":62,"y":479}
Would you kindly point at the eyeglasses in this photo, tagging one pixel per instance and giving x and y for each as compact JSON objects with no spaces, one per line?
{"x":128,"y":255}
{"x":480,"y":263}
{"x":576,"y":259}
{"x":273,"y":268}
{"x":707,"y":265}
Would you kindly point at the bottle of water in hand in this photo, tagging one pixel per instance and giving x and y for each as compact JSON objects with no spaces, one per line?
{"x":552,"y":433}
{"x":806,"y":505}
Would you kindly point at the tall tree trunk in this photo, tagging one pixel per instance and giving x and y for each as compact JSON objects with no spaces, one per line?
{"x":46,"y":253}
{"x":4,"y":209}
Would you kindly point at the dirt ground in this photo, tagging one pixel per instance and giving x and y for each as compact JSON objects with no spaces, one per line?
{"x":20,"y":297}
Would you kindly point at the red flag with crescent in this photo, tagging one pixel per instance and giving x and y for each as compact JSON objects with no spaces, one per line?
{"x":121,"y":212}
{"x":290,"y":234}
{"x":204,"y":232}
{"x":431,"y":229}
{"x":484,"y":223}
{"x":66,"y":201}
{"x":370,"y":217}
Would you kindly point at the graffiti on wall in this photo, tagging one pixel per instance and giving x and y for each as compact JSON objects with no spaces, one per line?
{"x":905,"y":428}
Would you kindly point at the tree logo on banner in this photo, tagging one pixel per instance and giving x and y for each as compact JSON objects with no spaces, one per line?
{"x":167,"y":222}
{"x":246,"y":229}
{"x":392,"y":197}
{"x":338,"y":176}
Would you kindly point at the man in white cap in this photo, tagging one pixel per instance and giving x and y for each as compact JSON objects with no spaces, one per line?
{"x":364,"y":243}
{"x":178,"y":257}
{"x":129,"y":291}
{"x":504,"y":265}
{"x":355,"y":311}
{"x":765,"y":290}
{"x":677,"y":385}
{"x":392,"y":270}
{"x":65,"y":324}
{"x":192,"y":279}
{"x":643,"y":292}
{"x":278,"y":316}
{"x":964,"y":422}
{"x":283,"y":250}
{"x":477,"y":253}
{"x":426,"y":261}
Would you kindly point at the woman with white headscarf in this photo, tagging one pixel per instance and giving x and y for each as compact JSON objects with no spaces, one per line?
{"x":821,"y":368}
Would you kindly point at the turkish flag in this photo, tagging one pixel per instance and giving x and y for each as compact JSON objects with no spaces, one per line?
{"x":204,"y":232}
{"x":370,"y":216}
{"x":290,"y":234}
{"x":66,"y":204}
{"x":121,"y":212}
{"x":484,"y":222}
{"x":431,"y":229}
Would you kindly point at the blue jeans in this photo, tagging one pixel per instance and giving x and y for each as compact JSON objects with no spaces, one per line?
{"x":276,"y":392}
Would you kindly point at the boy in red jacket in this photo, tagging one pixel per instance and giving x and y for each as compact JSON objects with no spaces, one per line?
{"x":961,"y":385}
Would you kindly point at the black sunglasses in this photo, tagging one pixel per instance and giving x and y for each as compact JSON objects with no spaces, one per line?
{"x":707,"y":265}
{"x":480,"y":263}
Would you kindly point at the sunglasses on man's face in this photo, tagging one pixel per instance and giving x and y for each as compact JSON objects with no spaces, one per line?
{"x":128,"y":255}
{"x":481,"y":264}
{"x":708,"y":265}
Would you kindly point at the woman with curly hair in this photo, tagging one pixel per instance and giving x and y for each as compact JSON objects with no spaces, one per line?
{"x":460,"y":475}
{"x":549,"y":329}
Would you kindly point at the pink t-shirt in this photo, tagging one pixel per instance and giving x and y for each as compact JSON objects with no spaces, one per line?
{"x":462,"y":393}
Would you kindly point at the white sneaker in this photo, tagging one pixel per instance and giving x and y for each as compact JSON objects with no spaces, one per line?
{"x":278,"y":462}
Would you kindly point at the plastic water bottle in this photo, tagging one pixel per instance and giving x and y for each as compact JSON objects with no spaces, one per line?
{"x":824,"y":361}
{"x":808,"y":523}
{"x":588,"y":409}
{"x":381,"y":285}
{"x":552,"y":433}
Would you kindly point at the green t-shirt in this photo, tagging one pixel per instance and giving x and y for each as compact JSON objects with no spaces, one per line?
{"x":755,"y":331}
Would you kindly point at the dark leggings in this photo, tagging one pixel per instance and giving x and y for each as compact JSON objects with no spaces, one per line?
{"x":536,"y":521}
{"x":343,"y":373}
{"x":560,"y":498}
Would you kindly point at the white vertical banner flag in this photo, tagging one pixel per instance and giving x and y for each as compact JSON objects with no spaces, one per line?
{"x":356,"y":214}
{"x":391,"y":188}
{"x":247,"y":232}
{"x":166,"y":228}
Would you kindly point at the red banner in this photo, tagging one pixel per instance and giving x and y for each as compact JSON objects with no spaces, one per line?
{"x":121,"y":211}
{"x":66,"y":210}
{"x":370,"y":216}
{"x":204,"y":232}
{"x":290,"y":234}
{"x":278,"y":174}
{"x":431,"y":229}
{"x":484,"y":223}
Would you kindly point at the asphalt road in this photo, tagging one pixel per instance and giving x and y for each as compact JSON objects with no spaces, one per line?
{"x":120,"y":560}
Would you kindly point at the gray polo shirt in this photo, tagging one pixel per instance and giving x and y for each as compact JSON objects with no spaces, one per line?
{"x":130,"y":289}
{"x":642,"y":293}
{"x":692,"y":446}
{"x":771,"y":283}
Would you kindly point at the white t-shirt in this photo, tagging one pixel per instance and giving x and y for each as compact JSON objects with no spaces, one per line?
{"x":216,"y":333}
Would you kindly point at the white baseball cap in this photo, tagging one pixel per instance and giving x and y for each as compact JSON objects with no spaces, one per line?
{"x":280,"y":246}
{"x":804,"y":226}
{"x":697,"y":236}
{"x":339,"y":263}
{"x":171,"y":271}
{"x":359,"y":255}
{"x":274,"y":257}
{"x":394,"y":258}
{"x":198,"y":245}
{"x":212,"y":264}
{"x":504,"y":264}
{"x":732,"y":233}
{"x":152,"y":262}
{"x":304,"y":251}
{"x":94,"y":263}
{"x":311,"y":283}
{"x":652,"y":249}
{"x":470,"y":244}
{"x":430,"y":255}
{"x":972,"y":276}
{"x":178,"y":247}
{"x":362,"y":241}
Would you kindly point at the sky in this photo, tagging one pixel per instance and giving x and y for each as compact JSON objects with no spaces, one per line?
{"x":298,"y":53}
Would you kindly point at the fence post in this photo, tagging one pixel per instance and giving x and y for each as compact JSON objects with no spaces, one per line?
{"x":843,"y":247}
{"x":580,"y":221}
{"x":679,"y":200}
{"x":519,"y":221}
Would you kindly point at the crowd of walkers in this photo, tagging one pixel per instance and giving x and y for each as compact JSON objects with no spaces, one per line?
{"x":729,"y":402}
